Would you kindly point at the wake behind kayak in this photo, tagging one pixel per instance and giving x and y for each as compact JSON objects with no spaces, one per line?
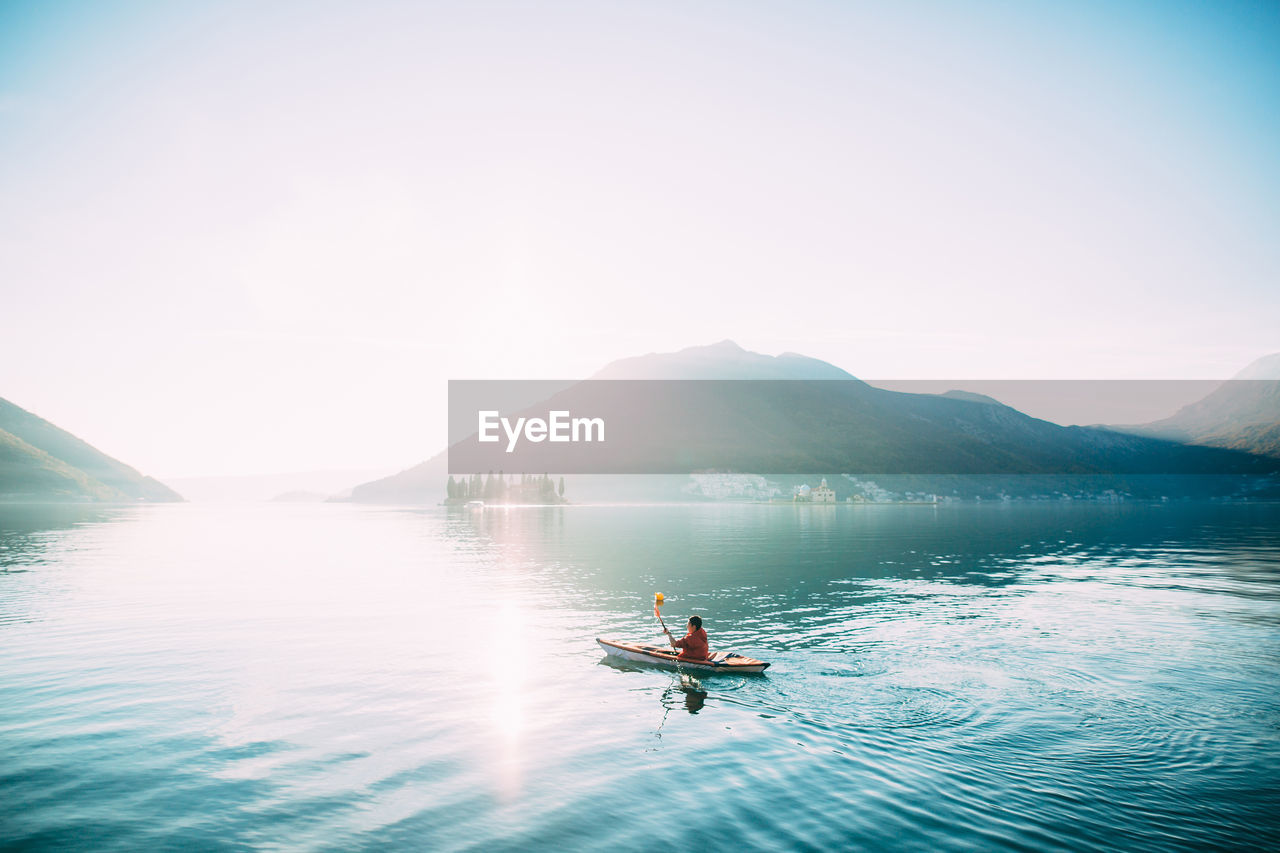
{"x":718,"y":662}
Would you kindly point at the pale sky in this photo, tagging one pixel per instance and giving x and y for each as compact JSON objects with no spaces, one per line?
{"x":260,"y":237}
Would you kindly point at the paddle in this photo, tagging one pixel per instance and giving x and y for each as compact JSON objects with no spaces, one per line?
{"x":657,"y":602}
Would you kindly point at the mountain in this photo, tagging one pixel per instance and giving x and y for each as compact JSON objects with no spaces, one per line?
{"x":844,"y":426}
{"x":971,"y":397}
{"x":725,"y":360}
{"x":39,"y":461}
{"x":832,"y":423}
{"x":1242,"y":414}
{"x":423,"y":483}
{"x":1267,"y":367}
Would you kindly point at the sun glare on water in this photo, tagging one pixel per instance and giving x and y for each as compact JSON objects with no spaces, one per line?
{"x":508,"y":640}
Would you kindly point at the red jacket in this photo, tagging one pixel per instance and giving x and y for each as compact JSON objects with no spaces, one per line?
{"x":694,"y":644}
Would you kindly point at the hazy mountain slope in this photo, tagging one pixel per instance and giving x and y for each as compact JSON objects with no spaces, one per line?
{"x":774,"y":427}
{"x":73,"y":455}
{"x":1267,"y":367}
{"x":725,"y":360}
{"x":29,"y":473}
{"x":823,"y":426}
{"x":1242,"y":414}
{"x":1253,"y":438}
{"x":423,"y":483}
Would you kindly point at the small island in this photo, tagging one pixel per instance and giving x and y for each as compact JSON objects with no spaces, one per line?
{"x":500,"y":488}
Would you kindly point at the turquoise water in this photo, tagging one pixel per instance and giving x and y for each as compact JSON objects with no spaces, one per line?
{"x":1013,"y":677}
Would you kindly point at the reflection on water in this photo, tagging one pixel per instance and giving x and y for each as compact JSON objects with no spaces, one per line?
{"x":694,"y":694}
{"x":994,"y":677}
{"x":685,"y":692}
{"x":687,"y":689}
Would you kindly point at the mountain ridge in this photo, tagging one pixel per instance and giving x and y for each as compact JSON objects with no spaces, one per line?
{"x":842,"y":426}
{"x":1241,"y":414}
{"x":41,"y":461}
{"x":723,"y":360}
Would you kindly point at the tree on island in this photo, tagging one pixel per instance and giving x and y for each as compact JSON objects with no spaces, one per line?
{"x":500,"y":487}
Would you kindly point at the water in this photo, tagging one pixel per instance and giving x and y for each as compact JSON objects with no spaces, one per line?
{"x":1014,"y":677}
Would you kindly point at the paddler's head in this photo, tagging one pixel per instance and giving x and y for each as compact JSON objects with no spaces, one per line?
{"x":695,"y":622}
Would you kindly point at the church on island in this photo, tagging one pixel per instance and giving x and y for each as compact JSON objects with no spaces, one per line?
{"x":824,"y":494}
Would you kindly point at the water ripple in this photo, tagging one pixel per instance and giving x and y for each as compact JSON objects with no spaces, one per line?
{"x":336,"y":677}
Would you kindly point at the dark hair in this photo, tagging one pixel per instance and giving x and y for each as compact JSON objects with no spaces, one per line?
{"x":695,"y":621}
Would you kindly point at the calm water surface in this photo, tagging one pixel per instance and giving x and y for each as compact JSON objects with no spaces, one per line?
{"x":1015,"y":677}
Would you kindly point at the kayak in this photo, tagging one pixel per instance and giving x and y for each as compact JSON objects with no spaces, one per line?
{"x":718,"y":662}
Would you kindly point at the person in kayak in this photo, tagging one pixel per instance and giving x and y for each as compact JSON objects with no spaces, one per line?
{"x":693,"y":644}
